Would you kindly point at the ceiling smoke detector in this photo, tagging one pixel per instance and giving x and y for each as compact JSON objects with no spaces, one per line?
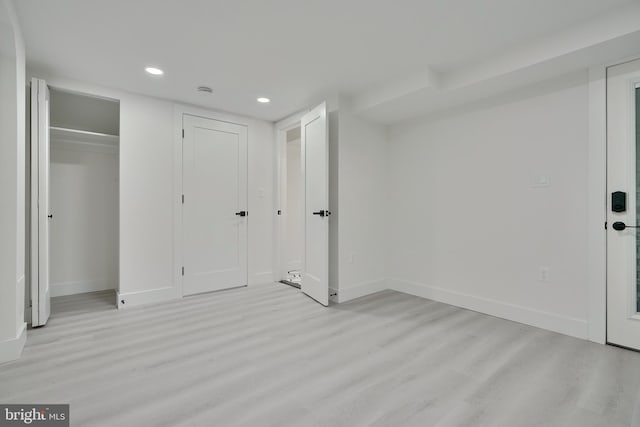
{"x":205,"y":89}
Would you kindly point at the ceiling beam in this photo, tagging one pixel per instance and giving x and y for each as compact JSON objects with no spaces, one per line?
{"x":609,"y":37}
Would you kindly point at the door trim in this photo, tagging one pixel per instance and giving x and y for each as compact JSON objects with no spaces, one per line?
{"x":178,"y":229}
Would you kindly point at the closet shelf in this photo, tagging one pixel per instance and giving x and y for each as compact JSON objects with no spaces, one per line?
{"x":81,"y":132}
{"x":83,"y":137}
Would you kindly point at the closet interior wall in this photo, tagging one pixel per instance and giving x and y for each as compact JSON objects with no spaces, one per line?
{"x":293,"y":209}
{"x":83,"y":193}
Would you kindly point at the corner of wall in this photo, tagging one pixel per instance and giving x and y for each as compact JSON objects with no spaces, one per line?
{"x":261,"y":278}
{"x":11,"y":349}
{"x":359,"y":290}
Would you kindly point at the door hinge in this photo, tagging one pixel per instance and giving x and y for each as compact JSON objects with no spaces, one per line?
{"x":183,"y":270}
{"x":183,"y":199}
{"x":182,"y":133}
{"x":605,"y":225}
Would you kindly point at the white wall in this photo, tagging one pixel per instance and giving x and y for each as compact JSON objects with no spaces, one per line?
{"x":294,"y":242}
{"x":12,"y":184}
{"x":262,"y":208}
{"x":148,"y":145}
{"x":84,"y":227}
{"x":362,"y":193}
{"x":468,"y":225}
{"x":146,"y":198}
{"x":71,"y":111}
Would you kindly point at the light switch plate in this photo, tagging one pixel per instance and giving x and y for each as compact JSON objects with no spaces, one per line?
{"x":541,"y":180}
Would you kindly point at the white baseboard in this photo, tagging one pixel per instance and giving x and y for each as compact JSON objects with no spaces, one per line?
{"x":133,"y":299}
{"x":80,"y":287}
{"x":21,"y":300}
{"x":550,"y":321}
{"x":347,"y":293}
{"x":259,"y":278}
{"x":11,"y":349}
{"x":333,"y":295}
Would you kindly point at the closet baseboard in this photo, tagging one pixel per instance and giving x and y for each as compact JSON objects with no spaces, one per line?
{"x":132,"y":299}
{"x":79,"y":287}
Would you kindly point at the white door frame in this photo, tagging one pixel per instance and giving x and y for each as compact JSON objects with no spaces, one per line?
{"x":179,"y":111}
{"x":597,"y":201}
{"x":282,"y":127}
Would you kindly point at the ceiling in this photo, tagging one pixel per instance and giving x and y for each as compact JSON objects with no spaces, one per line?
{"x":295,"y":52}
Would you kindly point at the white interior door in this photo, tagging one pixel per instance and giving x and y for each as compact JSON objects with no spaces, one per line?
{"x":315,"y":170}
{"x":215,"y":205}
{"x":40,"y":215}
{"x":623,"y":183}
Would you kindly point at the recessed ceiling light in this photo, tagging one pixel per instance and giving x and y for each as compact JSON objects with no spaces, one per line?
{"x":264,"y":100}
{"x":154,"y":71}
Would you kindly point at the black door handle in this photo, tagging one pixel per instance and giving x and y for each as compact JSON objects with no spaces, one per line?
{"x":242,"y":213}
{"x":621,"y":226}
{"x":322,"y":213}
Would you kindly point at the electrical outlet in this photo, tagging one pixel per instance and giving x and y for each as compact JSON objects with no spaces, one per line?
{"x":543,"y":274}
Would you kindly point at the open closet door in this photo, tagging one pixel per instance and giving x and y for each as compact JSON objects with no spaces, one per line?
{"x":315,"y":170}
{"x":40,"y":217}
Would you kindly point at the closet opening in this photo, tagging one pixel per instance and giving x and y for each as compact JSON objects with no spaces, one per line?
{"x":84,"y":134}
{"x":291,"y":209}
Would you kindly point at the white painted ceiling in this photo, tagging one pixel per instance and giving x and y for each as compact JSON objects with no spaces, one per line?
{"x":296,"y":52}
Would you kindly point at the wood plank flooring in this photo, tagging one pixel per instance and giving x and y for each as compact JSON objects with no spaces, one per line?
{"x":269,"y":356}
{"x":91,"y":302}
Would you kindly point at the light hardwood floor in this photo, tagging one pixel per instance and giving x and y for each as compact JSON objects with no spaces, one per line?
{"x":269,"y":356}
